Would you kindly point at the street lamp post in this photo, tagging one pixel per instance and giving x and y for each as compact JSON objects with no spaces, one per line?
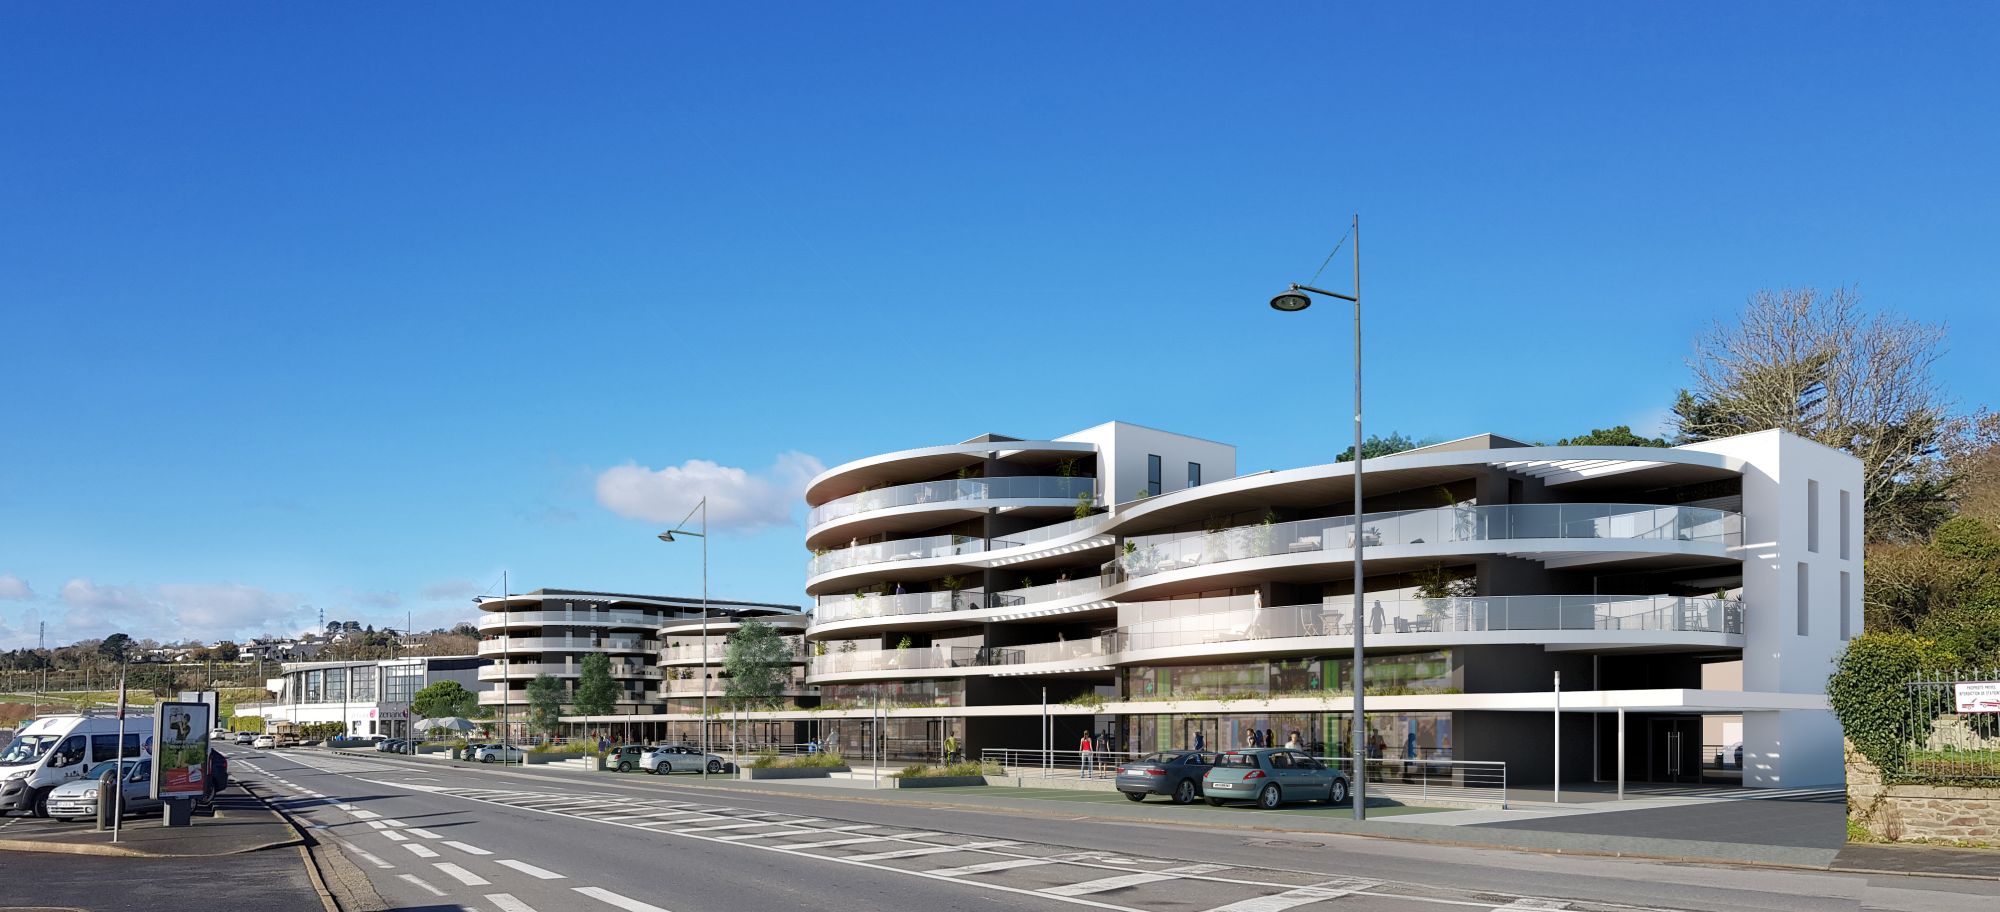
{"x":1292,"y":300}
{"x":668,"y":536}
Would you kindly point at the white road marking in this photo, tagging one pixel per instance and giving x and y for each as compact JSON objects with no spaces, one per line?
{"x":528,"y":869}
{"x":506,"y":902}
{"x":1278,"y":902}
{"x":932,"y":850}
{"x":856,"y":840}
{"x":1529,"y":902}
{"x":395,"y":836}
{"x":395,"y":823}
{"x":420,"y":882}
{"x":462,"y":875}
{"x":366,"y":855}
{"x":735,"y":826}
{"x":364,"y":815}
{"x":425,"y":833}
{"x":622,"y":902}
{"x":1128,"y":880}
{"x":624,"y":817}
{"x":377,"y":824}
{"x":467,"y":849}
{"x":989,"y":866}
{"x":420,"y":850}
{"x":794,"y":831}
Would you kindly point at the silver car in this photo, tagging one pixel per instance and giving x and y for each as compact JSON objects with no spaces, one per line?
{"x":78,"y":797}
{"x":499,"y":753}
{"x":665,"y":759}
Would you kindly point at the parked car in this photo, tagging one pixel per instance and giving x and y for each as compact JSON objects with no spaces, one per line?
{"x":54,"y":750}
{"x":1272,"y":776}
{"x":264,"y":742}
{"x":500,"y":753}
{"x":220,"y":734}
{"x":78,"y":798}
{"x":666,"y":759}
{"x":626,"y":757}
{"x":1175,"y":774}
{"x":245,"y":737}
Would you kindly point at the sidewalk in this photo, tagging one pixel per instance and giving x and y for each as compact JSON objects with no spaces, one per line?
{"x":242,"y":823}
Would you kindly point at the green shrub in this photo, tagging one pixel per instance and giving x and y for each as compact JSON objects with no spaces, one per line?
{"x":823,"y":760}
{"x":765,"y":760}
{"x":1969,"y":538}
{"x":936,"y":771}
{"x":1869,"y":697}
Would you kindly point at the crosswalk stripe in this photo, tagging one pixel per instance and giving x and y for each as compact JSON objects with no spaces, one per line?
{"x":420,"y":850}
{"x":1530,"y":902}
{"x":467,"y":849}
{"x":854,"y":840}
{"x":930,"y":850}
{"x":425,"y":833}
{"x":622,"y":902}
{"x":1278,"y":902}
{"x":1005,"y":864}
{"x":506,"y":902}
{"x":395,"y":836}
{"x":412,"y":878}
{"x":735,"y":826}
{"x":744,"y":837}
{"x":1128,"y":880}
{"x":461,"y":875}
{"x":528,"y":869}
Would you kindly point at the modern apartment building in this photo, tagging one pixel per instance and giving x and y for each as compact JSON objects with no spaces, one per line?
{"x":1692,"y":598}
{"x":369,"y":697}
{"x":656,"y":645}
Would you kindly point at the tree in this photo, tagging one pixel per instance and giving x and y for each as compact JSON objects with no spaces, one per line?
{"x":1376,"y":446}
{"x":444,"y":698}
{"x":116,"y":648}
{"x":596,"y":693}
{"x":756,"y":662}
{"x":1620,"y":435}
{"x":545,"y":701}
{"x":1814,"y":365}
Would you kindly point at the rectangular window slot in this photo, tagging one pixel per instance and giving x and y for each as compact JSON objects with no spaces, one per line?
{"x":1805,"y":598}
{"x":1812,"y":516}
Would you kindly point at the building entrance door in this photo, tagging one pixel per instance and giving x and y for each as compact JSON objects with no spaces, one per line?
{"x":1673,"y":749}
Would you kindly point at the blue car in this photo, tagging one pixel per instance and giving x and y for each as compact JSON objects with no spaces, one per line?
{"x":1175,"y":774}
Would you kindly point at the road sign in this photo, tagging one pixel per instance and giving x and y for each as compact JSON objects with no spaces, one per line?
{"x":1978,"y":696}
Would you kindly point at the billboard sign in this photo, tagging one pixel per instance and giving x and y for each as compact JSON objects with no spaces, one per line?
{"x":180,"y":749}
{"x":1978,"y":696}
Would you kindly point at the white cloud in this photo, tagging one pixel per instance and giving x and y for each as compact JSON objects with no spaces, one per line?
{"x":737,"y":498}
{"x":177,"y":611}
{"x":14,"y":589}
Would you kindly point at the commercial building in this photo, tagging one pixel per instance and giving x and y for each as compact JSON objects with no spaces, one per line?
{"x":659,"y":657}
{"x":368,"y":696}
{"x":1691,"y":599}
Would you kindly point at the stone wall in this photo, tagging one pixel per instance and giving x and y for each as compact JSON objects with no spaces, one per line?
{"x":1899,"y":813}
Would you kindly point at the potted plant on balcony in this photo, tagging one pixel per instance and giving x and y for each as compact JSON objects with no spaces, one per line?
{"x":902,"y":652}
{"x":953,"y":584}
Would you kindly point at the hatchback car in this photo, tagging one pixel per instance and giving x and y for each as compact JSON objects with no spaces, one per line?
{"x":498,"y":753}
{"x":78,"y":797}
{"x":664,"y":760}
{"x":1272,"y":776}
{"x":1175,"y":774}
{"x":627,"y":757}
{"x":245,"y":737}
{"x":265,"y":742}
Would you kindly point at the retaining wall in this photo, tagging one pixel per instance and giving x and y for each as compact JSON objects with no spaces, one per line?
{"x":1902,"y":813}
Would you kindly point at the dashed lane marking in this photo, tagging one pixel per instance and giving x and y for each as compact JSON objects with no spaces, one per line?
{"x":420,"y":850}
{"x":506,"y":902}
{"x":467,"y":849}
{"x":528,"y":869}
{"x":931,"y":850}
{"x":395,"y":836}
{"x":419,"y":831}
{"x":366,"y":855}
{"x":1278,"y":902}
{"x":1005,"y":864}
{"x":623,"y":902}
{"x":461,"y":875}
{"x":1106,"y":884}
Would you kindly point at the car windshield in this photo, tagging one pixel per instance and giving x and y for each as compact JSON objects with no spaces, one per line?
{"x":27,"y":749}
{"x":98,"y":771}
{"x":1235,"y":759}
{"x":1159,"y":757}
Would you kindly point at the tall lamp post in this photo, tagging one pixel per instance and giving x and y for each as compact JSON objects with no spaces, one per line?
{"x":668,"y":537}
{"x":1293,"y":300}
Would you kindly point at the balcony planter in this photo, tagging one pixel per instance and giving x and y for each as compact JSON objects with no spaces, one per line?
{"x":814,"y":772}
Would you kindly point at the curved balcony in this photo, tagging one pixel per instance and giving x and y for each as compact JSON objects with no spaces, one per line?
{"x":1151,"y":554}
{"x":1236,"y":619}
{"x":515,"y":671}
{"x":899,"y":550}
{"x":794,"y":684}
{"x":686,"y":654}
{"x":505,"y":645}
{"x":955,"y":492}
{"x":849,"y":607}
{"x":493,"y":620}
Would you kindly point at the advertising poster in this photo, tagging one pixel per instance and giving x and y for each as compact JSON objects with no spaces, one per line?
{"x":180,"y":750}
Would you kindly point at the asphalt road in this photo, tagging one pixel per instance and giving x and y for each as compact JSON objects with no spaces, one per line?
{"x":426,"y":835}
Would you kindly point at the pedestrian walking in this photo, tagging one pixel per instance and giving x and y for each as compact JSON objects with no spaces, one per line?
{"x":951,"y":749}
{"x":1199,"y":743}
{"x":1083,"y":749}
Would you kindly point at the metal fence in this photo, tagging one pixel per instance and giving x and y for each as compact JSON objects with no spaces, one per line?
{"x":1414,"y":780}
{"x":1952,"y":731}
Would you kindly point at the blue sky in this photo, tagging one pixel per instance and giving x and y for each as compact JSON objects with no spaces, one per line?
{"x":351,"y":307}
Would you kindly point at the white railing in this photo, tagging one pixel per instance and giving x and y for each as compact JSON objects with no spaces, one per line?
{"x":1151,"y":554}
{"x":1047,"y":592}
{"x":1234,"y":618}
{"x":1036,"y":536}
{"x":500,"y":671}
{"x":494,"y":619}
{"x":499,"y":645}
{"x":1408,"y":781}
{"x":841,"y":608}
{"x":1022,"y":487}
{"x":1065,"y":651}
{"x":905,"y":549}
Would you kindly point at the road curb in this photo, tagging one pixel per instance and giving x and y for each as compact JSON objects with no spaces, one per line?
{"x":109,"y":850}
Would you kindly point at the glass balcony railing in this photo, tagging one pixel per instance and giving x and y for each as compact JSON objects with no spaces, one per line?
{"x":1023,"y":487}
{"x":716,"y":688}
{"x":1036,"y":536}
{"x":499,"y":645}
{"x":901,"y":550}
{"x":718,"y":646}
{"x":494,"y":619}
{"x":1047,"y":592}
{"x":1152,"y":554}
{"x":847,"y":607}
{"x":503,"y":670}
{"x":1236,"y":618}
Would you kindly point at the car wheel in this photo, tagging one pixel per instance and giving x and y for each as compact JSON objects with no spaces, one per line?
{"x":1185,"y":792}
{"x":486,"y":758}
{"x":1136,"y":796}
{"x":1269,"y":798}
{"x":714,"y":767}
{"x":624,"y":766}
{"x":665,"y":768}
{"x":1214,"y":802}
{"x":1339,"y":792}
{"x":40,"y":803}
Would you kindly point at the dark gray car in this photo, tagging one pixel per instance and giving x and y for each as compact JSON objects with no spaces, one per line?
{"x":1175,"y":774}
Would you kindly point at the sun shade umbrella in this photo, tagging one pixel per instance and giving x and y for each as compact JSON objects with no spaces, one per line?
{"x":452,"y":723}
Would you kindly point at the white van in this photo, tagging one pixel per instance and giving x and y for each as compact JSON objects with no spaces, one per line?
{"x":52,"y":750}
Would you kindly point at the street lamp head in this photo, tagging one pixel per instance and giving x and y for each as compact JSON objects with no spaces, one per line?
{"x":667,"y":536}
{"x":1290,"y":300}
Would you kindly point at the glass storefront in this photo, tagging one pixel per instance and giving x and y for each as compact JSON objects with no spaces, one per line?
{"x":937,"y":692}
{"x":1391,"y":736}
{"x":1388,"y":675}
